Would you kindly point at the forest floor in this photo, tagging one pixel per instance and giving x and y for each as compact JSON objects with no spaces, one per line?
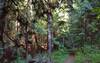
{"x":89,"y":56}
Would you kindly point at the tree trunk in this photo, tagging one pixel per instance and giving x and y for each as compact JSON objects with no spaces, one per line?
{"x":49,"y":16}
{"x":2,"y":20}
{"x":26,"y":42}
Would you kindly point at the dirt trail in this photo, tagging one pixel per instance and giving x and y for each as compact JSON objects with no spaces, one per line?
{"x":70,"y":59}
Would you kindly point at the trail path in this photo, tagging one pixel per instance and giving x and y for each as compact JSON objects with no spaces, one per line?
{"x":70,"y":59}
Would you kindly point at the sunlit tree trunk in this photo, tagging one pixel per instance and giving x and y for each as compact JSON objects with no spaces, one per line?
{"x":2,"y":20}
{"x":49,"y":16}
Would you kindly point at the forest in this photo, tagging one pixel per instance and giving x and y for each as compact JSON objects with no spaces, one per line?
{"x":49,"y":31}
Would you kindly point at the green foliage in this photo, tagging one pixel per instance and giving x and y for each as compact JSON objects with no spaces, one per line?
{"x":40,"y":27}
{"x":93,"y":26}
{"x":59,"y":56}
{"x":90,"y":53}
{"x":41,"y":58}
{"x":97,"y":11}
